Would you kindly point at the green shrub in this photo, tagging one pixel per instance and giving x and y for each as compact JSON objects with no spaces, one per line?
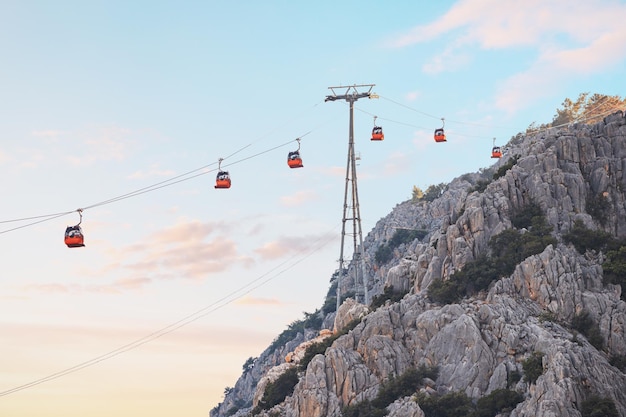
{"x":513,"y":377}
{"x":402,"y":386}
{"x":511,"y":246}
{"x":363,"y":409}
{"x":388,"y":295}
{"x":533,"y":367}
{"x":406,"y":236}
{"x":383,"y":254}
{"x":596,"y":406}
{"x":619,"y":361}
{"x":508,"y":249}
{"x":249,"y":364}
{"x":456,"y":404}
{"x":476,"y":275}
{"x":311,"y":321}
{"x":496,"y":402}
{"x":598,"y":206}
{"x":391,"y":390}
{"x":614,"y":269}
{"x":320,"y":347}
{"x":585,"y":239}
{"x":444,"y":292}
{"x":480,"y":186}
{"x":276,"y":391}
{"x":583,"y":322}
{"x":504,"y":168}
{"x":522,"y":218}
{"x":434,"y":191}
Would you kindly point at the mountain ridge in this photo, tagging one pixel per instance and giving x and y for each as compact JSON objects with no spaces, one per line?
{"x":548,"y":307}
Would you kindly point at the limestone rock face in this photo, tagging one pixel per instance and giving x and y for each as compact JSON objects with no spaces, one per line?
{"x":349,"y":311}
{"x":480,"y":343}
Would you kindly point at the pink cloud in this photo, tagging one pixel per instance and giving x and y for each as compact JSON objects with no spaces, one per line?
{"x":299,"y":198}
{"x":190,"y":250}
{"x":285,"y":246}
{"x":571,"y":39}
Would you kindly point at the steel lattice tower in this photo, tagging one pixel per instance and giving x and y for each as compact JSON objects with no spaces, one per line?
{"x":351,"y":205}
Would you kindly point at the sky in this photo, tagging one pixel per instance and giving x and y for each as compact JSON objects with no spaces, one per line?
{"x":124,"y":109}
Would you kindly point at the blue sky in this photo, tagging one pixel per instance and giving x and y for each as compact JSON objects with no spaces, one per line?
{"x":100,"y":99}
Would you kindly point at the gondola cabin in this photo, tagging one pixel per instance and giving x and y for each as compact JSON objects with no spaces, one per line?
{"x":222,"y":180}
{"x":440,"y":135}
{"x":294,"y":160}
{"x":74,"y":237}
{"x":377,"y":133}
{"x":496,"y":152}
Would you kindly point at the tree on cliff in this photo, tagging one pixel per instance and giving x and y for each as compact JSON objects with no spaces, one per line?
{"x":588,"y":109}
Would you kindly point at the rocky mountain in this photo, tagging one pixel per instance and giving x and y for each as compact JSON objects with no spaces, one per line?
{"x":502,"y":295}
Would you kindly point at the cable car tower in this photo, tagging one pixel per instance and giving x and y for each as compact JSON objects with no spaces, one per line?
{"x":351,"y":94}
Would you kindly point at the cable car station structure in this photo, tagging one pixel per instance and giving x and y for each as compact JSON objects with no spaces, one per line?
{"x":351,"y":205}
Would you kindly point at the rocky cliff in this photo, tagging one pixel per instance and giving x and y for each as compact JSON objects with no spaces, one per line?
{"x":502,"y":295}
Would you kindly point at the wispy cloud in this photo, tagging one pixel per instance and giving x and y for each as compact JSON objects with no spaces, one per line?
{"x":396,"y":163}
{"x":288,"y":245}
{"x":48,"y":134}
{"x":188,"y":250}
{"x":106,"y":143}
{"x":570,"y":39}
{"x":115,"y":287}
{"x":299,"y":198}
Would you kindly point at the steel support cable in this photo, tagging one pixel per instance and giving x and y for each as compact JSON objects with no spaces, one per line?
{"x":148,"y":188}
{"x":417,"y":127}
{"x":171,"y":181}
{"x":447,"y":120}
{"x":319,"y":243}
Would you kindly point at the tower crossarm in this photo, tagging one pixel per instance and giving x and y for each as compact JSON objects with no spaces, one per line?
{"x":351,"y":92}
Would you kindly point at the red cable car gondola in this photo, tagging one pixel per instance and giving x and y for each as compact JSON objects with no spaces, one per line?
{"x":294,"y":160}
{"x":440,"y":136}
{"x":222,"y":180}
{"x":377,"y":131}
{"x":74,"y":237}
{"x":496,"y":152}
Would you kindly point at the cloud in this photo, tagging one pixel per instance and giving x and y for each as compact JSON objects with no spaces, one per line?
{"x":396,"y":163}
{"x":101,"y":144}
{"x":185,"y":251}
{"x":115,"y":287}
{"x":286,"y":245}
{"x":299,"y":198}
{"x":413,"y":95}
{"x":570,"y":39}
{"x":48,"y":134}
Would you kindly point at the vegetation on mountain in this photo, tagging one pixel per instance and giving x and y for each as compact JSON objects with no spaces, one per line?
{"x":458,"y":404}
{"x":311,"y":321}
{"x":277,"y":391}
{"x":533,"y":367}
{"x":596,"y":406}
{"x":614,"y":266}
{"x":389,"y":294}
{"x":384,"y":253}
{"x":320,"y":347}
{"x":584,"y":323}
{"x":431,"y":193}
{"x":391,"y":390}
{"x":422,"y":330}
{"x":508,"y":248}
